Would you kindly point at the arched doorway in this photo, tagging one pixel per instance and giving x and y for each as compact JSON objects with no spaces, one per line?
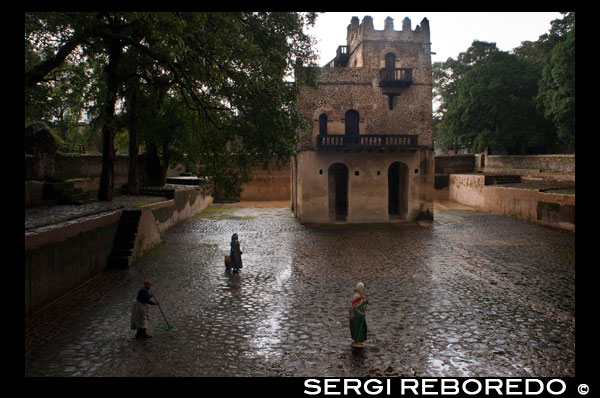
{"x":338,"y":192}
{"x":390,"y":61}
{"x":351,"y":126}
{"x":398,"y":190}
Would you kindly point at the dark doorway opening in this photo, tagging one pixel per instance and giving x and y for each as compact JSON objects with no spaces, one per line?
{"x":390,"y":61}
{"x":323,"y":124}
{"x":338,"y":192}
{"x":397,"y":190}
{"x":351,"y":127}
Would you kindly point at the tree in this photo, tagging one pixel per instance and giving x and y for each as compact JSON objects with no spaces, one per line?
{"x":554,"y":53}
{"x":229,"y":68}
{"x":557,"y":85}
{"x":494,"y":107}
{"x":445,"y":79}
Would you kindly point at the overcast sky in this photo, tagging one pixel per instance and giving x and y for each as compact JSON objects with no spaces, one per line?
{"x":451,"y":32}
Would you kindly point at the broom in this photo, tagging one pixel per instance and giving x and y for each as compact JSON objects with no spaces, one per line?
{"x":169,"y":327}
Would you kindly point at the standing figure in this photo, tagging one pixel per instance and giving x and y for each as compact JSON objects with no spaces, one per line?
{"x":358,"y":322}
{"x":235,"y":253}
{"x":139,"y":312}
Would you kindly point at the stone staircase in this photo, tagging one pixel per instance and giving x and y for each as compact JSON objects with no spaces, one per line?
{"x":120,"y":256}
{"x":65,"y":193}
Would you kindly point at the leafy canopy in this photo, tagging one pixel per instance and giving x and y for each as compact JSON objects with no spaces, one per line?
{"x":222,"y":80}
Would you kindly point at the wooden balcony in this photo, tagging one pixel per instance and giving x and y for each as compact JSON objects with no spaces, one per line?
{"x":367,"y":142}
{"x":397,"y":77}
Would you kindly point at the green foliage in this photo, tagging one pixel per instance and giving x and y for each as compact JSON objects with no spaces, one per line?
{"x":557,"y":85}
{"x":494,"y":106}
{"x":516,"y":103}
{"x":204,"y":88}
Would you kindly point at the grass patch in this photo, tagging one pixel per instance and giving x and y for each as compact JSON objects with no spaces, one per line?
{"x":563,"y":191}
{"x":221,"y":213}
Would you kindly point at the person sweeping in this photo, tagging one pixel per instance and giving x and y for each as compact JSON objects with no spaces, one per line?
{"x":139,"y":311}
{"x":357,"y":312}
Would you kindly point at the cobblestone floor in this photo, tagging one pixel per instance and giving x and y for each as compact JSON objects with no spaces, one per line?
{"x":472,"y":294}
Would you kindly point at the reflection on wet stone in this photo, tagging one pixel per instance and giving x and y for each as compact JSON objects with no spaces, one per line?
{"x":471,"y":295}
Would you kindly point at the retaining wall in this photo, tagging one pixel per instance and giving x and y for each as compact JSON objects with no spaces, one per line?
{"x":556,"y":210}
{"x":61,"y":257}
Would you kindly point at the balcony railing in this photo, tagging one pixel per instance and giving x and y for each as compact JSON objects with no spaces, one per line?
{"x":367,"y":141}
{"x":400,"y":77}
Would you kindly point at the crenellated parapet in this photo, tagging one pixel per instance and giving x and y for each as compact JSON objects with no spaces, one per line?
{"x":366,"y":31}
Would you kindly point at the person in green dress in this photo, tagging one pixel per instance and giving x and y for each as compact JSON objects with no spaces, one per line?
{"x":357,"y":312}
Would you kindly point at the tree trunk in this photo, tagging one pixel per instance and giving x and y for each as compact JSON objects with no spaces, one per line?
{"x":132,"y":175}
{"x":153,"y":166}
{"x":107,"y":176}
{"x":165,"y":164}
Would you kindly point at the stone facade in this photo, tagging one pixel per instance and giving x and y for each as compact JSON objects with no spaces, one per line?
{"x":356,"y":97}
{"x":270,"y":184}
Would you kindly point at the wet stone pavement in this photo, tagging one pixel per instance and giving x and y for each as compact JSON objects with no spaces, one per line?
{"x":472,"y":294}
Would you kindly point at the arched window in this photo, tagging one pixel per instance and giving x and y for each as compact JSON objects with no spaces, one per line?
{"x":322,"y":124}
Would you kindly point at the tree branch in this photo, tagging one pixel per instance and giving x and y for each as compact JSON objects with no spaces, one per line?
{"x":39,"y":72}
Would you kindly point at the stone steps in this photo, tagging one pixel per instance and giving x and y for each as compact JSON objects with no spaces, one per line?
{"x":65,"y":193}
{"x":120,"y":255}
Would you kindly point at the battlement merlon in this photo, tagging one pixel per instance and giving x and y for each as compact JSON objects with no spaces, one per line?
{"x":365,"y":31}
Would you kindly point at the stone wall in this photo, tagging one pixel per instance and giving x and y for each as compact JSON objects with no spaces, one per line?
{"x":61,"y":257}
{"x":271,"y":184}
{"x":342,"y":89}
{"x":556,"y":210}
{"x":452,"y":164}
{"x":358,"y":87}
{"x":531,"y":164}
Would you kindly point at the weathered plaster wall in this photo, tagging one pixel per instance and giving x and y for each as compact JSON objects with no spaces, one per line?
{"x":271,"y":184}
{"x":551,"y":209}
{"x":367,"y":191}
{"x":156,"y":218}
{"x":61,"y":257}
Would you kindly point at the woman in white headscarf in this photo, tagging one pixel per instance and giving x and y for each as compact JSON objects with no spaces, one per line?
{"x":358,"y":323}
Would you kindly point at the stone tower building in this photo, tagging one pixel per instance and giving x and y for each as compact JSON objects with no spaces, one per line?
{"x":368,"y":156}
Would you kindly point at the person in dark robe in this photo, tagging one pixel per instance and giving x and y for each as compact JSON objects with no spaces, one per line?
{"x":139,"y":312}
{"x":235,"y":253}
{"x":357,"y":312}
